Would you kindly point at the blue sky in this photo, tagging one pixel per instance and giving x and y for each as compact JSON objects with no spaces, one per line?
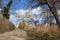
{"x":16,"y":5}
{"x":19,"y":4}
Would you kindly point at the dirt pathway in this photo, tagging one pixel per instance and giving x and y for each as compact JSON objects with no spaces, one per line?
{"x":14,"y":35}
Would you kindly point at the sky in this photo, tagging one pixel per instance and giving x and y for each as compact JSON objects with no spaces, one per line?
{"x":19,"y":5}
{"x":16,"y":5}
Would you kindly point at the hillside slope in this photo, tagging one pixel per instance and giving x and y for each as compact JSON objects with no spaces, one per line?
{"x":5,"y":24}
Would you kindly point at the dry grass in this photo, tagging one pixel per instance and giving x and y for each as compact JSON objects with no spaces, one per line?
{"x":5,"y":25}
{"x":40,"y":32}
{"x":46,"y":28}
{"x":44,"y":33}
{"x":23,"y":25}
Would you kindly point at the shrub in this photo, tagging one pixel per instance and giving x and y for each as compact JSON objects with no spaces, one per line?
{"x":23,"y":25}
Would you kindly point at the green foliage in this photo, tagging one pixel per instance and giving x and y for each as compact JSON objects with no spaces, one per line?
{"x":6,"y":10}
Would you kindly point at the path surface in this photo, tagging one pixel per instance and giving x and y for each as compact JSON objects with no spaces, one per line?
{"x":14,"y":35}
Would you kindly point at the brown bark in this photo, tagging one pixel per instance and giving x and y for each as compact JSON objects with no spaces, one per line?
{"x":53,"y":10}
{"x":51,"y":4}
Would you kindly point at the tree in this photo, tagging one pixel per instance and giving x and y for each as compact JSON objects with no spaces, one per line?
{"x":6,"y":10}
{"x":51,"y":5}
{"x":5,"y":24}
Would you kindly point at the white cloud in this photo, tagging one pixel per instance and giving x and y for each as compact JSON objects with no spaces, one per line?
{"x":0,"y":9}
{"x":29,"y":11}
{"x":28,"y":15}
{"x":11,"y":17}
{"x":36,"y":10}
{"x":24,"y":14}
{"x":59,"y":12}
{"x":21,"y":13}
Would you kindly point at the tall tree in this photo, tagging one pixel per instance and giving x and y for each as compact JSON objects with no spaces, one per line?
{"x":6,"y":10}
{"x":5,"y":24}
{"x":53,"y":10}
{"x":51,"y":5}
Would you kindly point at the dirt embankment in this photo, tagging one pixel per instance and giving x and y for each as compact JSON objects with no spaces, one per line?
{"x":5,"y":25}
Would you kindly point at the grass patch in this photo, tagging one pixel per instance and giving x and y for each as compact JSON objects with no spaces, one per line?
{"x":43,"y":34}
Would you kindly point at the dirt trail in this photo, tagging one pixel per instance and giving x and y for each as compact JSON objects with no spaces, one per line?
{"x":14,"y":35}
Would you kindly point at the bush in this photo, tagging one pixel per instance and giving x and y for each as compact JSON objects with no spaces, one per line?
{"x":23,"y":25}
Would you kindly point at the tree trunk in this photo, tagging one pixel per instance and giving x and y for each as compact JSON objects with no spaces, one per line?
{"x":53,"y":10}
